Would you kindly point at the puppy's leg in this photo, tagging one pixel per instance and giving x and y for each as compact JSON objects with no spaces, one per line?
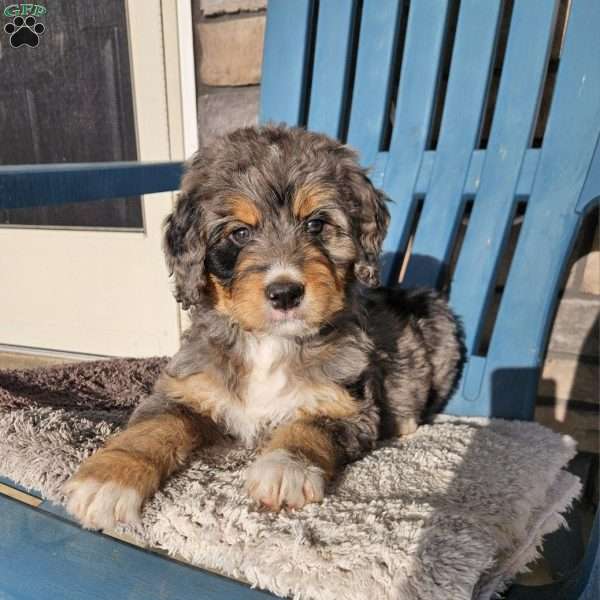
{"x":302,"y":456}
{"x":114,"y":482}
{"x":293,"y":467}
{"x":407,"y":386}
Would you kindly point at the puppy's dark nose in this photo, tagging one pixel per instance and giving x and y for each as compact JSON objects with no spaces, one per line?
{"x":284,"y":294}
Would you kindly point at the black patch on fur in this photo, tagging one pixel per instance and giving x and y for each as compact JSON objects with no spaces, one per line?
{"x":221,"y":259}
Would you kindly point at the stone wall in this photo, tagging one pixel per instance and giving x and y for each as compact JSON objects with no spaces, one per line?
{"x":229,"y":37}
{"x":228,"y":40}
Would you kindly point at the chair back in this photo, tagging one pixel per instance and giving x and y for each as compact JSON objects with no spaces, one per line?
{"x":409,"y":86}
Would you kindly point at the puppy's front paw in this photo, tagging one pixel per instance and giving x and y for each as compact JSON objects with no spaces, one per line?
{"x":406,"y":425}
{"x":110,"y":487}
{"x":100,"y":505}
{"x":279,"y":479}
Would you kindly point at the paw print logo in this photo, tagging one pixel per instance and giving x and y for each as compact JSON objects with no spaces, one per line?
{"x":24,"y":32}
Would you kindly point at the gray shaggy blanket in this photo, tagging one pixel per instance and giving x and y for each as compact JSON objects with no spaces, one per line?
{"x":452,"y":512}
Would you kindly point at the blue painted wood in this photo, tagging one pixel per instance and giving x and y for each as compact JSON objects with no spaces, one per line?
{"x":285,"y":76}
{"x":332,"y":67}
{"x":514,"y":120}
{"x":509,"y":380}
{"x":41,"y":185}
{"x":495,"y":202}
{"x":43,"y":556}
{"x":414,"y":107}
{"x":469,"y":74}
{"x":590,"y":195}
{"x":57,"y":510}
{"x":379,"y":29}
{"x":524,"y":184}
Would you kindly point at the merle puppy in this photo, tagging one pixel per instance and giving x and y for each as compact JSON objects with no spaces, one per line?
{"x":293,"y":348}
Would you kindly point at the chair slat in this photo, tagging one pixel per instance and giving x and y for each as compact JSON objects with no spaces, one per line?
{"x":512,"y":368}
{"x":472,"y":57}
{"x":283,"y":90}
{"x":415,"y":102}
{"x":514,"y":119}
{"x":379,"y":28}
{"x":332,"y":65}
{"x":524,"y":184}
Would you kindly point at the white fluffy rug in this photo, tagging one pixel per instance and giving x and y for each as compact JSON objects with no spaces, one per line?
{"x":451,"y":512}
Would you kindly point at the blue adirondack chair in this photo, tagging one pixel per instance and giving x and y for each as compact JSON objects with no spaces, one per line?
{"x":329,"y":66}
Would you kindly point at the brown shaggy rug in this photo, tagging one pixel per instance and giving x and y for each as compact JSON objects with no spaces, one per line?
{"x":453,"y":511}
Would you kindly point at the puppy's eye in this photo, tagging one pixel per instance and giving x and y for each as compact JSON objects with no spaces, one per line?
{"x":314,"y":226}
{"x":240,"y":236}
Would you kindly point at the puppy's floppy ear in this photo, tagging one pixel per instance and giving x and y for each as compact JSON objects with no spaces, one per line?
{"x":373,"y":220}
{"x":185,"y":249}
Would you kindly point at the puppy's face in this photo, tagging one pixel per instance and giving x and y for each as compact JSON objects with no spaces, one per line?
{"x":281,"y":266}
{"x":272,"y":227}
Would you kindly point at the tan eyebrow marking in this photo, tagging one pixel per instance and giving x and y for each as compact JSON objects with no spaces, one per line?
{"x":308,"y":198}
{"x":244,"y":210}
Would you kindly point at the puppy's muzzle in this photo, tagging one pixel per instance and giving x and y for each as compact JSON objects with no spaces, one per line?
{"x":284,"y":295}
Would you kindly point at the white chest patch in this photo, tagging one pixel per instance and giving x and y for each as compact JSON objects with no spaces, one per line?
{"x":271,"y":397}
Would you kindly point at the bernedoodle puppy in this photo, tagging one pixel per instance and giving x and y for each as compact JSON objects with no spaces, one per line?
{"x":293,"y":349}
